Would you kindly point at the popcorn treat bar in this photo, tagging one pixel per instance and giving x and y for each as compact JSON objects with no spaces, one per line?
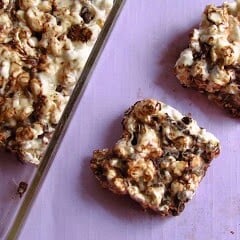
{"x":160,"y":159}
{"x":44,"y":46}
{"x":211,"y":63}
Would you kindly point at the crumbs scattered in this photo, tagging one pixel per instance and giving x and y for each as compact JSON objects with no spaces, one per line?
{"x":22,"y":188}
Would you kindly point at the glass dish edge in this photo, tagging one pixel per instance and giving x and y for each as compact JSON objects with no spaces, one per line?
{"x":55,"y":142}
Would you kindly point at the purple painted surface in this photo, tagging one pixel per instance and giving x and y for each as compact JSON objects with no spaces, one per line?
{"x":137,"y":63}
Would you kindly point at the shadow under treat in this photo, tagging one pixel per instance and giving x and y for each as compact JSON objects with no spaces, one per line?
{"x":122,"y":207}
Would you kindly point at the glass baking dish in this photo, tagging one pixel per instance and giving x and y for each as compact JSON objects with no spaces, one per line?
{"x":15,"y":200}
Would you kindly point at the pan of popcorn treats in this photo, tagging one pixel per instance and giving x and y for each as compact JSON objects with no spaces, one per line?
{"x":211,"y":62}
{"x":44,"y":46}
{"x":47,"y":51}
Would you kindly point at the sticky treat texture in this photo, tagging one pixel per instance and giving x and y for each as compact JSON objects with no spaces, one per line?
{"x":160,"y":159}
{"x":211,"y":63}
{"x":44,"y":46}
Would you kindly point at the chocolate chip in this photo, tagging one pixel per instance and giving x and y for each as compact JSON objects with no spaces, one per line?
{"x":176,"y":200}
{"x":32,"y":61}
{"x":38,"y":35}
{"x":171,"y":152}
{"x":135,"y":139}
{"x":175,"y":212}
{"x":79,"y":33}
{"x":59,"y":22}
{"x":178,"y":203}
{"x":186,"y":154}
{"x":59,"y":88}
{"x":180,"y":125}
{"x":38,"y":105}
{"x":148,"y":109}
{"x":41,"y":136}
{"x":155,"y":119}
{"x":160,"y":130}
{"x":195,"y":150}
{"x":158,"y":105}
{"x":12,"y":44}
{"x":166,"y":202}
{"x":17,"y":5}
{"x":124,"y":169}
{"x":186,"y":120}
{"x":1,"y":4}
{"x":26,"y":69}
{"x":205,"y":156}
{"x":181,"y":207}
{"x":197,"y":55}
{"x":206,"y":50}
{"x":42,"y":51}
{"x":99,"y":172}
{"x":156,"y":162}
{"x":187,"y":132}
{"x":11,"y":94}
{"x":87,"y":14}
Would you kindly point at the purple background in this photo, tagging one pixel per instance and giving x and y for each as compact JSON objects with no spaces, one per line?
{"x":137,"y":63}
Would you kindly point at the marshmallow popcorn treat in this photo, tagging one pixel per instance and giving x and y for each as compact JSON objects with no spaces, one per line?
{"x":211,"y":63}
{"x":44,"y":46}
{"x":160,"y":159}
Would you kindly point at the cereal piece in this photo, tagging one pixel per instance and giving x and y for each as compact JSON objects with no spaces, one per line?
{"x":211,"y":62}
{"x":160,"y":159}
{"x":44,"y":46}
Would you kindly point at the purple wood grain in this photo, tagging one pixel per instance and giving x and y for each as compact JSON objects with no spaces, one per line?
{"x":137,"y":63}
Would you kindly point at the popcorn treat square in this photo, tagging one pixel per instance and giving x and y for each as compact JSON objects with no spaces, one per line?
{"x":44,"y":46}
{"x":160,"y":159}
{"x":211,"y":63}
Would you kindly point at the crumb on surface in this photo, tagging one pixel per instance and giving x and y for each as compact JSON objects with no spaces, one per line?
{"x":22,"y":188}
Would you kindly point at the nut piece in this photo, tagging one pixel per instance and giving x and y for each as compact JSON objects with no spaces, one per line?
{"x":160,"y":159}
{"x":211,"y":62}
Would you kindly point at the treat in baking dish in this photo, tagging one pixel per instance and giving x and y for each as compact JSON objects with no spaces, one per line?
{"x":44,"y":46}
{"x":160,"y":159}
{"x":211,"y":63}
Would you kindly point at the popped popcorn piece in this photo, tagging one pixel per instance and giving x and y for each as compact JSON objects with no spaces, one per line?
{"x":160,"y":159}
